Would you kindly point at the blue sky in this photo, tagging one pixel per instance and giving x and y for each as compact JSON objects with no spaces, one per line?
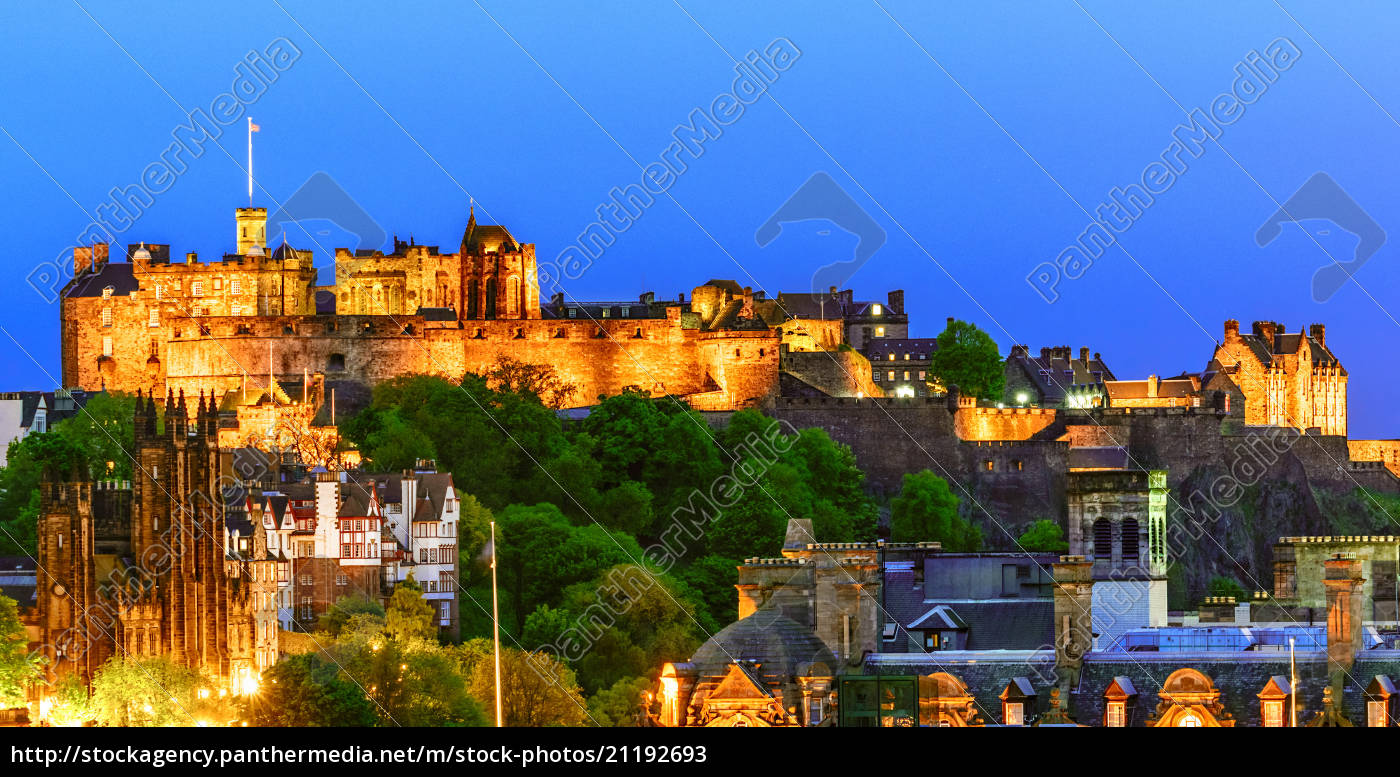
{"x":973,"y":173}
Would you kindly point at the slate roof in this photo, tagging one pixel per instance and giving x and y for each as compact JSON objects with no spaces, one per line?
{"x":778,"y":644}
{"x":120,"y":276}
{"x":1169,"y":388}
{"x":1064,"y":370}
{"x":19,"y":579}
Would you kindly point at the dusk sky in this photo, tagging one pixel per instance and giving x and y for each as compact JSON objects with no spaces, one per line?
{"x":976,"y":135}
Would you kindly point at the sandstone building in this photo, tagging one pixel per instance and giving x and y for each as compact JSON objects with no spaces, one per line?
{"x":148,"y":568}
{"x":157,"y":324}
{"x":1288,"y":379}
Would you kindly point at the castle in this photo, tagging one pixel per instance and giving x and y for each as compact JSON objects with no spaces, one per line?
{"x":158,"y":325}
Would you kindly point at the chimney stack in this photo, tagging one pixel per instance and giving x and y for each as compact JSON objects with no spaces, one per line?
{"x":1342,"y":578}
{"x":895,"y":301}
{"x":1152,"y":385}
{"x":1084,"y":354}
{"x":1232,"y":330}
{"x":1319,"y":333}
{"x":1074,"y":606}
{"x":1266,"y":330}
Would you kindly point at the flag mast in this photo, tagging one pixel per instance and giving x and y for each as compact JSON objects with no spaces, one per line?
{"x":251,"y":129}
{"x":496,"y":625}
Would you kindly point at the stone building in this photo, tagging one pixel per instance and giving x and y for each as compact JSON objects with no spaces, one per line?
{"x":1055,"y":378}
{"x":150,"y":570}
{"x":900,"y":366}
{"x":1287,"y":379}
{"x":154,"y":324}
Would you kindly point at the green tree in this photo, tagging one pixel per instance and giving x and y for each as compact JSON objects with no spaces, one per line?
{"x":345,"y":608}
{"x":1044,"y":535}
{"x":18,"y":668}
{"x":309,"y":690}
{"x":620,"y":705}
{"x":628,"y":620}
{"x":69,"y":705}
{"x":968,"y":358}
{"x":541,"y":553}
{"x":536,"y":688}
{"x":473,"y":534}
{"x":626,"y":507}
{"x":927,"y":511}
{"x":410,"y":682}
{"x":409,"y":616}
{"x":1221,"y":585}
{"x":713,"y":577}
{"x":157,"y":692}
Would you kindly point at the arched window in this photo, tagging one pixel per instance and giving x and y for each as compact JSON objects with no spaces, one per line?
{"x":513,"y":296}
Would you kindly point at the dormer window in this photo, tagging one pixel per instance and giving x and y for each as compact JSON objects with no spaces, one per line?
{"x":107,"y":293}
{"x":876,"y":309}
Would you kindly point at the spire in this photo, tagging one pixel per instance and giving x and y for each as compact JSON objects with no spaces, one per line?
{"x":471,"y":227}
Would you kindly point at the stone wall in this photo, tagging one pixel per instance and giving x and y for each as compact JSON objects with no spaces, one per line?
{"x":1385,"y":451}
{"x":843,"y":373}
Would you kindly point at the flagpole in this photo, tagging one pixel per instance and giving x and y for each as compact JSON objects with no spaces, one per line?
{"x":496,"y":625}
{"x":250,"y":161}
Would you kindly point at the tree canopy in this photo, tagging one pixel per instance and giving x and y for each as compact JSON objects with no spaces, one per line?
{"x":968,"y":358}
{"x":926,"y":510}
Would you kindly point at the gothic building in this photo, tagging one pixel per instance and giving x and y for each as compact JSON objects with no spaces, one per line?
{"x":147,"y":568}
{"x":1288,"y":379}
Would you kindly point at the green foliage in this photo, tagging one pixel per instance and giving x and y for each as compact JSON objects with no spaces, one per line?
{"x":409,"y":616}
{"x":927,"y":511}
{"x":309,"y":690}
{"x":17,"y":667}
{"x":713,"y":579}
{"x":626,"y":621}
{"x":69,"y":705}
{"x":345,"y":608}
{"x":473,"y":534}
{"x":620,"y":705}
{"x":536,"y":688}
{"x":1044,"y":535}
{"x":157,"y":692}
{"x":1220,"y":585}
{"x":968,"y":358}
{"x":410,"y":681}
{"x":541,"y":553}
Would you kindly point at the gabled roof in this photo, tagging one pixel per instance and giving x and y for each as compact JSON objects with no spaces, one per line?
{"x":120,"y":276}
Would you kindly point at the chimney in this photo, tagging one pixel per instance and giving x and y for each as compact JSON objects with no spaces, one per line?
{"x":1020,"y":350}
{"x":647,"y":297}
{"x":82,"y":260}
{"x":1044,"y":353}
{"x":556,"y":300}
{"x":1232,"y":330}
{"x":1152,"y":384}
{"x":895,"y":301}
{"x":1319,"y":333}
{"x":1074,"y":606}
{"x":1342,"y":578}
{"x":1266,"y":330}
{"x":1084,"y":354}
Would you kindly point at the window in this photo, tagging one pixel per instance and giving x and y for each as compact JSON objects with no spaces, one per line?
{"x":923,"y":375}
{"x":153,"y":318}
{"x":1014,"y":714}
{"x":235,"y":310}
{"x":1103,"y":539}
{"x":879,"y":331}
{"x":235,"y":286}
{"x":989,"y":465}
{"x":107,"y":293}
{"x":1189,"y":720}
{"x":107,"y":346}
{"x":197,"y":288}
{"x":1375,"y":714}
{"x":891,"y":357}
{"x":876,"y":376}
{"x":1115,"y":715}
{"x":342,"y":580}
{"x":891,"y":375}
{"x":1018,"y":465}
{"x":573,"y":312}
{"x":906,"y":356}
{"x":906,"y":374}
{"x":345,"y":550}
{"x":1130,"y":541}
{"x":160,"y":291}
{"x":218,"y":283}
{"x":106,"y":316}
{"x":1273,"y":714}
{"x":931,"y":640}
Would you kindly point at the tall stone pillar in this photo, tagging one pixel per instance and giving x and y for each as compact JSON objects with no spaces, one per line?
{"x":1342,"y":579}
{"x":1074,"y":606}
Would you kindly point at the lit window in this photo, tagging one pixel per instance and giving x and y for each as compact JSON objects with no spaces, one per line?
{"x":197,"y":288}
{"x":107,"y":293}
{"x":160,"y":291}
{"x":1273,"y":714}
{"x":235,"y":310}
{"x":154,"y":318}
{"x":1115,"y":715}
{"x":906,"y":374}
{"x":906,"y":357}
{"x":236,"y":286}
{"x":218,"y":283}
{"x":1375,"y":714}
{"x":573,"y":312}
{"x":923,"y":375}
{"x":106,"y":316}
{"x":988,"y":465}
{"x":1015,"y":714}
{"x":1189,"y":720}
{"x":106,"y":346}
{"x":890,"y":376}
{"x":879,"y":331}
{"x":876,"y":309}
